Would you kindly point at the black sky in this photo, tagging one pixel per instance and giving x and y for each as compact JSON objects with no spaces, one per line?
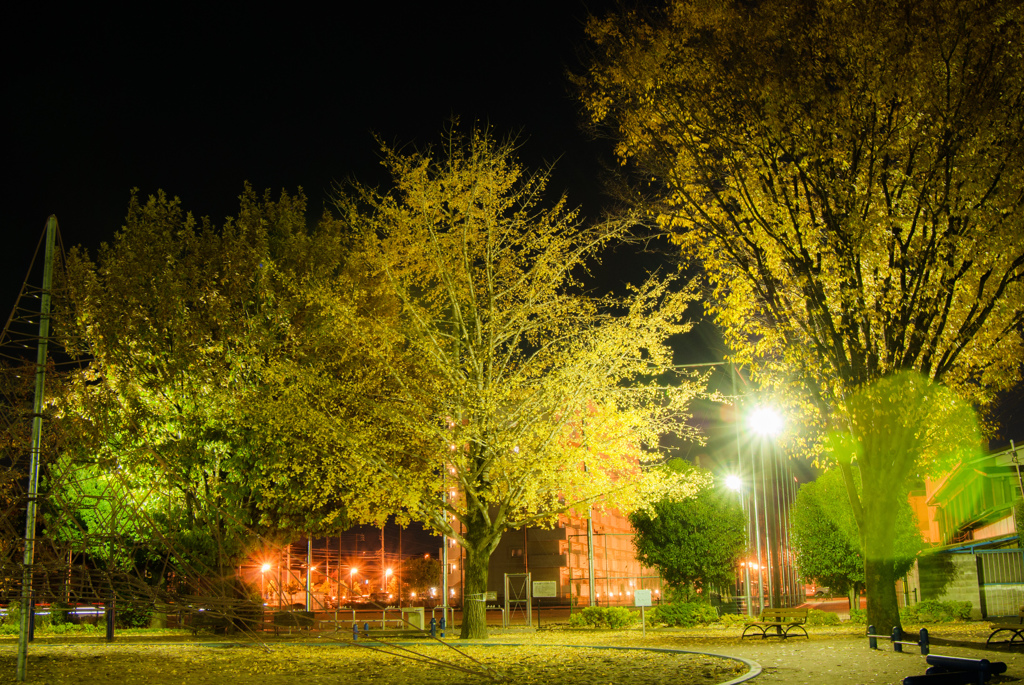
{"x":195,"y":102}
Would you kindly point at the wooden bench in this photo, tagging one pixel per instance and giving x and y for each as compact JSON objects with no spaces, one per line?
{"x":1014,"y":630}
{"x":782,"y":620}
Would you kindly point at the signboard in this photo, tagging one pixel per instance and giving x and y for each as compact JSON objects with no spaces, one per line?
{"x":545,"y":588}
{"x":641,"y":598}
{"x":492,"y":595}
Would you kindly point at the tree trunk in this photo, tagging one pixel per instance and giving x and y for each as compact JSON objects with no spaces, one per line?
{"x":474,"y":598}
{"x":879,"y":576}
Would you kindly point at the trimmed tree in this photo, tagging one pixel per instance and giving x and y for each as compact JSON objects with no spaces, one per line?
{"x":694,"y":542}
{"x":826,"y":539}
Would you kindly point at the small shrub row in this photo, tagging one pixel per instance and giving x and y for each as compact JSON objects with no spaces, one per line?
{"x":817,"y":617}
{"x":932,"y":611}
{"x":685,"y":614}
{"x":603,"y":617}
{"x":859,"y":617}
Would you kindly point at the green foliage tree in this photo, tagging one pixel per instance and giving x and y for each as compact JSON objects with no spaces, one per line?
{"x":181,"y":322}
{"x":849,"y":176}
{"x":419,"y":574}
{"x":826,"y":539}
{"x":694,"y":542}
{"x":499,"y":379}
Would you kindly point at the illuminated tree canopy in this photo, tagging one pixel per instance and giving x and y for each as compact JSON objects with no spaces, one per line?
{"x":503,"y":393}
{"x":850,"y":177}
{"x":180,"y":321}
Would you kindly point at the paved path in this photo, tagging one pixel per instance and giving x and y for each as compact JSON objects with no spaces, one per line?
{"x":846,"y":661}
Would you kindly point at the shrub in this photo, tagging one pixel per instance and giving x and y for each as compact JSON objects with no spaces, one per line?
{"x":12,"y":615}
{"x":858,"y":617}
{"x":933,"y":611}
{"x":59,"y":613}
{"x":603,"y":617}
{"x":733,"y":619}
{"x":817,"y":617}
{"x":686,"y":614}
{"x":132,"y":615}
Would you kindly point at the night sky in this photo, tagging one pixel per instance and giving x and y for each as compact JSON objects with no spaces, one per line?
{"x":197,"y":103}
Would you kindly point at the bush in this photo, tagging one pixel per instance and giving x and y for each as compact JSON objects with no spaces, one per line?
{"x":858,"y":617}
{"x":733,"y":619}
{"x":686,"y":614}
{"x":932,"y":611}
{"x":132,"y":615}
{"x":817,"y":617}
{"x":603,"y":617}
{"x":59,"y":613}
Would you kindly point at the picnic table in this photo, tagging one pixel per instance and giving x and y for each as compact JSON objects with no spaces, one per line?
{"x":778,"y":620}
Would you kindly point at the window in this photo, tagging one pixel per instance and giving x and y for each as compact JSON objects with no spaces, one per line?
{"x":515,"y":552}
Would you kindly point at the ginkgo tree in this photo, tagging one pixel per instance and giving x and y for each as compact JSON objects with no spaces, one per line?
{"x":505,"y":394}
{"x":851,"y":178}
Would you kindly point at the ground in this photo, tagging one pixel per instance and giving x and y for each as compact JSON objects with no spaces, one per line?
{"x":835,"y":656}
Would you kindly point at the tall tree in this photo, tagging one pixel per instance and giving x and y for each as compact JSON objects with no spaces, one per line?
{"x":505,"y":394}
{"x":850,"y":176}
{"x":826,"y":540}
{"x":694,"y":542}
{"x":180,"y":321}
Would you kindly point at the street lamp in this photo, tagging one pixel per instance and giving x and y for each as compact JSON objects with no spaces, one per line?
{"x":768,"y":423}
{"x":351,"y":582}
{"x":735,"y":483}
{"x":263,"y":581}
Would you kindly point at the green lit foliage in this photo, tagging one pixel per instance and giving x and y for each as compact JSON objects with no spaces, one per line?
{"x":678,"y":612}
{"x":604,"y":617}
{"x":849,"y":176}
{"x":694,"y":542}
{"x":179,"y":320}
{"x":826,"y":537}
{"x":817,"y":617}
{"x":419,"y":574}
{"x":498,"y":379}
{"x":933,"y":611}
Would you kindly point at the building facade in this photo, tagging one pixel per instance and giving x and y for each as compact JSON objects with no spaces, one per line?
{"x":562,"y":555}
{"x":967,"y":519}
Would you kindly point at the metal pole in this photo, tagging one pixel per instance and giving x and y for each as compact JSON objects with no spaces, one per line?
{"x":37,"y":442}
{"x":309,"y":574}
{"x":743,"y":503}
{"x":757,"y":532}
{"x":767,"y":527}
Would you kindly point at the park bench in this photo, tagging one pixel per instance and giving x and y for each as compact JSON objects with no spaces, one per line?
{"x":781,"y":620}
{"x":1015,"y":631}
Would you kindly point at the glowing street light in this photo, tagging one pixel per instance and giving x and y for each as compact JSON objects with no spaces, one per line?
{"x":351,"y":581}
{"x":734,"y":482}
{"x":263,"y":580}
{"x":766,"y":421}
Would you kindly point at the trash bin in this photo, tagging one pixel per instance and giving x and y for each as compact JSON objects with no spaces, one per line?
{"x":412,"y":618}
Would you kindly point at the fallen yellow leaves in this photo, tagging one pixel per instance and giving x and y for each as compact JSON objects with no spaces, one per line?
{"x":421,"y":664}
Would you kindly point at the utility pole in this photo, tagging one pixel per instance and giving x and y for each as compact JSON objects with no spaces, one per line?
{"x":37,"y":442}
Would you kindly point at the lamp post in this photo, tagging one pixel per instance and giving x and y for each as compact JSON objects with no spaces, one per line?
{"x":767,"y":423}
{"x":734,"y":482}
{"x":263,"y":581}
{"x":351,"y":582}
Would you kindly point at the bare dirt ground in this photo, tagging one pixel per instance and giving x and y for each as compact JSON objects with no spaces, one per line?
{"x":831,"y":656}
